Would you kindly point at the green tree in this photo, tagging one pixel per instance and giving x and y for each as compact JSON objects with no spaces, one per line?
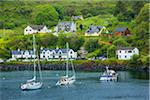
{"x":135,"y":62}
{"x":136,"y":6}
{"x":120,"y":7}
{"x":76,"y":42}
{"x":144,"y":14}
{"x":91,"y":44}
{"x":120,"y":42}
{"x":112,"y":51}
{"x":45,"y":14}
{"x":60,"y":11}
{"x":61,"y":40}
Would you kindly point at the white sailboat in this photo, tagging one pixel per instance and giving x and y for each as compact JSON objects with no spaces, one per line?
{"x":66,"y":80}
{"x":109,"y":75}
{"x":33,"y":83}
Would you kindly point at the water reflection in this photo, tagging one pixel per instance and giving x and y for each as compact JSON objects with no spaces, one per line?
{"x":139,"y":75}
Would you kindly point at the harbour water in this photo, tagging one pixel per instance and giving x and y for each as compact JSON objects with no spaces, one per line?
{"x":130,"y":86}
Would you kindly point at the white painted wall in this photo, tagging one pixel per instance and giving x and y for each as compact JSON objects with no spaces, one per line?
{"x":126,"y":54}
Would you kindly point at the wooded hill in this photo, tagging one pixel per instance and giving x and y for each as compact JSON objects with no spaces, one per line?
{"x":16,"y":15}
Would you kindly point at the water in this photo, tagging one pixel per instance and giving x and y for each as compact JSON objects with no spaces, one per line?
{"x":87,"y":87}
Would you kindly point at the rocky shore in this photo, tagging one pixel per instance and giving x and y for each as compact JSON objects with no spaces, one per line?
{"x":80,"y":65}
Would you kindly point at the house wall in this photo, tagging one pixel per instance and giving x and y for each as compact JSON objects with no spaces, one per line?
{"x":53,"y":55}
{"x":44,"y":30}
{"x":126,"y":54}
{"x":29,"y":30}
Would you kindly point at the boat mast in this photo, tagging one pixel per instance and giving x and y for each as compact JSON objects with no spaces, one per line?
{"x":34,"y":50}
{"x":73,"y":68}
{"x":67,"y":60}
{"x":39,"y":67}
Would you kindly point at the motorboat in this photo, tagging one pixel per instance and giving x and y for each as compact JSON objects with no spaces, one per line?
{"x":109,"y":75}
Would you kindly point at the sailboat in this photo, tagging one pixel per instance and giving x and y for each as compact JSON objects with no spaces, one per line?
{"x":66,"y":80}
{"x":33,"y":83}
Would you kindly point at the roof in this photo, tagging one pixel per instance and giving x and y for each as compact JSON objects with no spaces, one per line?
{"x":93,"y":29}
{"x":56,"y":50}
{"x":77,"y":17}
{"x":65,"y":23}
{"x":120,"y":29}
{"x":126,"y":48}
{"x":37,"y":27}
{"x":16,"y":52}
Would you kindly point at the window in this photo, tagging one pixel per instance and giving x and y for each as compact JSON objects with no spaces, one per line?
{"x":26,"y":30}
{"x":53,"y":55}
{"x":71,"y":52}
{"x":125,"y":51}
{"x":59,"y":56}
{"x":120,"y":51}
{"x":125,"y":56}
{"x":30,"y":29}
{"x":130,"y":51}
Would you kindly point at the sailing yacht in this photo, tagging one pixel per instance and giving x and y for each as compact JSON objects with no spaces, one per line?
{"x":33,"y":83}
{"x":109,"y":75}
{"x":66,"y":80}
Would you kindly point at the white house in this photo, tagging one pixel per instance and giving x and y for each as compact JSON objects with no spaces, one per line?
{"x":36,"y":29}
{"x":21,"y":54}
{"x":125,"y":53}
{"x":68,"y":26}
{"x":95,"y":30}
{"x":57,"y":54}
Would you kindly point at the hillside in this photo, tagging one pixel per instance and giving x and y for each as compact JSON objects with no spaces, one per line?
{"x":16,"y":15}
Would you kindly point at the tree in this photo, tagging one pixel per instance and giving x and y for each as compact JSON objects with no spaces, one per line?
{"x":60,"y":11}
{"x":45,"y":14}
{"x":91,"y":44}
{"x":61,"y":40}
{"x":135,"y":61}
{"x":142,"y":29}
{"x":143,"y":15}
{"x":76,"y":42}
{"x":136,"y":6}
{"x":47,"y":40}
{"x":120,"y":42}
{"x":120,"y":7}
{"x":111,"y":51}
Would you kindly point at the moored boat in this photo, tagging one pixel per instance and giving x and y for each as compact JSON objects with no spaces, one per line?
{"x":109,"y":75}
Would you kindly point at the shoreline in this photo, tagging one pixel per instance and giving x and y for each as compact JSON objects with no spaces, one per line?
{"x":83,"y":65}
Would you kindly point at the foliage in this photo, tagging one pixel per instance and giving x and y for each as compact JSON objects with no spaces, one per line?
{"x":91,"y":44}
{"x":45,"y":14}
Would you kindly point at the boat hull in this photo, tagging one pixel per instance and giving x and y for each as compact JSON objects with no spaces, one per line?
{"x":66,"y":81}
{"x":108,"y":78}
{"x":31,"y":86}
